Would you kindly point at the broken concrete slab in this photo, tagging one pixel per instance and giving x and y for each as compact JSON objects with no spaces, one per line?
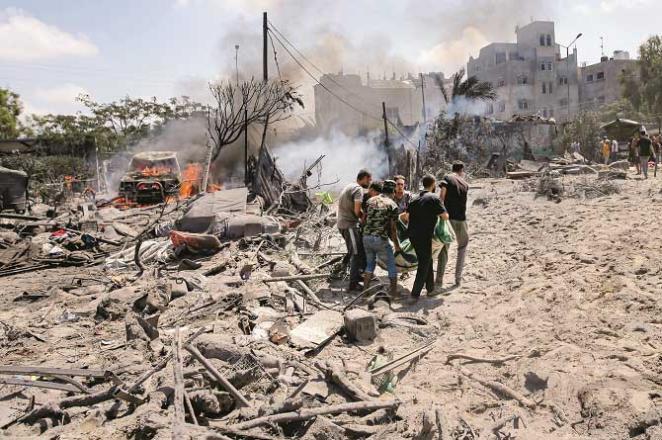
{"x":317,"y":328}
{"x":203,"y":214}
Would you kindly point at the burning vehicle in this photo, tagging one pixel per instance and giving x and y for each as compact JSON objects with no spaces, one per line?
{"x":151,"y":178}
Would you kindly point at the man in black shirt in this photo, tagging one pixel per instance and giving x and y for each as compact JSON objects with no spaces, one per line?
{"x":453,"y":192}
{"x":424,"y":211}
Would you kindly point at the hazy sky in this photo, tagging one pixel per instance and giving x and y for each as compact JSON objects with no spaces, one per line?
{"x":52,"y":50}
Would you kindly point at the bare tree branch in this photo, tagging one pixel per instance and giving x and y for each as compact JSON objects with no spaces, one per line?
{"x":261,"y":100}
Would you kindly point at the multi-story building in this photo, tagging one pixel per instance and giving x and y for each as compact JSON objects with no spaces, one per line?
{"x":345,"y":103}
{"x":601,"y":82}
{"x":530,"y":76}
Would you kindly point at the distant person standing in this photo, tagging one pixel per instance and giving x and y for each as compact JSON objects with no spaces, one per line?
{"x":453,"y":193}
{"x":645,"y":151}
{"x":381,"y":216}
{"x":350,"y":213}
{"x":614,"y":150}
{"x":424,"y":211}
{"x":606,"y":150}
{"x":633,"y":154}
{"x":657,"y":149}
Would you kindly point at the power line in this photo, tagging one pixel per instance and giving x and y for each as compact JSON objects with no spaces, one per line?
{"x":307,"y":71}
{"x":273,"y":47}
{"x":320,"y":71}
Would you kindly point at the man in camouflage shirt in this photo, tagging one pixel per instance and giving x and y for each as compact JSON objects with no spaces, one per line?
{"x":380,"y":224}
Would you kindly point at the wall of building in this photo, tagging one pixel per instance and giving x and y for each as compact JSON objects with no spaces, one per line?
{"x":403,"y":98}
{"x":600,"y":82}
{"x":529,"y":75}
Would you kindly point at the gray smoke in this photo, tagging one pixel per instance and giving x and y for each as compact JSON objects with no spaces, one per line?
{"x":344,"y":157}
{"x":356,"y":37}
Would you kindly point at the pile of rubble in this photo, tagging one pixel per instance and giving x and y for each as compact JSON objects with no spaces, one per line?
{"x":207,"y":317}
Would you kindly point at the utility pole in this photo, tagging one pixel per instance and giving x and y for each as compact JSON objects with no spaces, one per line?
{"x":423,"y":93}
{"x":567,"y":70}
{"x":236,"y":61}
{"x":246,"y":147}
{"x":387,"y":145}
{"x":265,"y":29}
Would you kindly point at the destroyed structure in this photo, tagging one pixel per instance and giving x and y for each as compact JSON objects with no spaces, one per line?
{"x":403,"y":97}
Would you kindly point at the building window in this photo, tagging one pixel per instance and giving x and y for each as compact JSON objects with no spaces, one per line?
{"x":563,"y":80}
{"x":563,"y":102}
{"x":600,"y":76}
{"x":514,"y":56}
{"x":549,"y":88}
{"x":589,"y":78}
{"x":522,"y":79}
{"x":502,"y":106}
{"x":501,"y":83}
{"x":490,"y":109}
{"x":523,"y":104}
{"x":549,"y":40}
{"x":546,"y":65}
{"x":500,"y":57}
{"x":544,"y":88}
{"x":542,"y":40}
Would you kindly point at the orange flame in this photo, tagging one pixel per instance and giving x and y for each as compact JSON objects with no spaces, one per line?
{"x":155,"y":171}
{"x":191,"y":180}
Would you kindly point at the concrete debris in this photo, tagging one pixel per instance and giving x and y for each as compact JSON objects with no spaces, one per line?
{"x":232,"y":318}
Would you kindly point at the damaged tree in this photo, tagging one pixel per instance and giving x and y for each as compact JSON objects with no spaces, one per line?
{"x":471,"y":89}
{"x":245,"y":103}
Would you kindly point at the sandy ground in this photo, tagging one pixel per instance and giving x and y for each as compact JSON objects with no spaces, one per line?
{"x":568,"y":293}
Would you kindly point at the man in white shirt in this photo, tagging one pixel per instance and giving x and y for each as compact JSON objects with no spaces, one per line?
{"x":614,"y":150}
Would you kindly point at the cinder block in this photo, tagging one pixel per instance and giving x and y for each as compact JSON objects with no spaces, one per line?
{"x":360,"y":325}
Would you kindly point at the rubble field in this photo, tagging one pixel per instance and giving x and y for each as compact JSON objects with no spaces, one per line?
{"x":555,"y":332}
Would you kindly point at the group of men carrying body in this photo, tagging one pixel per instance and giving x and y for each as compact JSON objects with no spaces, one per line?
{"x":368,"y":213}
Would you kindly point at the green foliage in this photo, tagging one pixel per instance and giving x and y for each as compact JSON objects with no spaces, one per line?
{"x":646,"y":94}
{"x":10,"y":109}
{"x":471,"y":89}
{"x":623,"y":108}
{"x":125,"y":122}
{"x":113,"y":126}
{"x":47,"y":169}
{"x":585,"y":129}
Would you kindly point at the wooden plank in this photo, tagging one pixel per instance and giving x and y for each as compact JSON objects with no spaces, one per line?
{"x":179,"y":415}
{"x":50,"y":371}
{"x":39,"y":384}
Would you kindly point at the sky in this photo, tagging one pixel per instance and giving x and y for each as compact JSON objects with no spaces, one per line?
{"x":51,"y":51}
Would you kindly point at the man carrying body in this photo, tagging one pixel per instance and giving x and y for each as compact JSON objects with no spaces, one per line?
{"x":453,"y":193}
{"x":349,"y":215}
{"x":645,"y":151}
{"x":401,"y":197}
{"x":424,"y":211}
{"x":382,"y":213}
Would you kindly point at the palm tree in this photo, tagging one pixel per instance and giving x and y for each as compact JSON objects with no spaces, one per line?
{"x":471,"y":88}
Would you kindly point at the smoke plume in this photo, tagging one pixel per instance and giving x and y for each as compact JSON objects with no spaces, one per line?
{"x":344,"y":157}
